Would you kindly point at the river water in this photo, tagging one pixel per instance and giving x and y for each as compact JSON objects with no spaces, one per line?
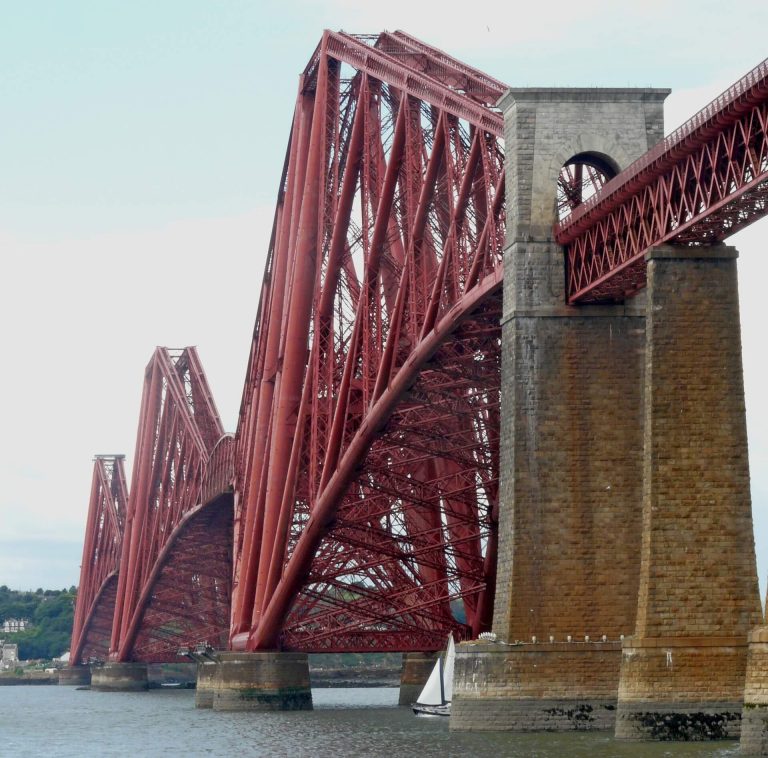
{"x":360,"y":723}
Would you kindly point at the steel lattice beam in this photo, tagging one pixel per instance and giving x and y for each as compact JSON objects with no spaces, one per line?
{"x":699,"y":185}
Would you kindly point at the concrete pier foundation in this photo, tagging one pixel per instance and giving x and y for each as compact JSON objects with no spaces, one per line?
{"x":262,"y":681}
{"x":682,"y":674}
{"x":119,"y":677}
{"x":206,"y":675}
{"x":414,"y":673}
{"x":754,"y":716}
{"x":75,"y":676}
{"x":535,"y":687}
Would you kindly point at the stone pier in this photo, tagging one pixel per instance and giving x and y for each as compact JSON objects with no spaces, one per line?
{"x":754,"y":716}
{"x":119,"y":677}
{"x":414,"y":673}
{"x":75,"y":675}
{"x":682,"y":674}
{"x":558,"y":686}
{"x":262,"y":681}
{"x":571,"y":438}
{"x":206,"y":676}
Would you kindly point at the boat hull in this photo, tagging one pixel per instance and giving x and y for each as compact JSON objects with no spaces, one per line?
{"x":432,"y":710}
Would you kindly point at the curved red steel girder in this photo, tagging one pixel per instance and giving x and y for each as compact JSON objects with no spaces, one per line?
{"x":92,"y":644}
{"x":101,"y":556}
{"x":367,"y":445}
{"x":174,"y":469}
{"x":186,"y":599}
{"x":699,"y":185}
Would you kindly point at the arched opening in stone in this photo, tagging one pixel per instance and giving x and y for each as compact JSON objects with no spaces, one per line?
{"x":580,"y":178}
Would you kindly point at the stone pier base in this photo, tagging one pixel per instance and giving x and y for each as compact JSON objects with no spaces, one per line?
{"x":754,"y":717}
{"x":535,"y":687}
{"x":119,"y":677}
{"x":206,"y":675}
{"x":262,"y":681}
{"x":681,"y":689}
{"x":414,"y":674}
{"x":75,"y":675}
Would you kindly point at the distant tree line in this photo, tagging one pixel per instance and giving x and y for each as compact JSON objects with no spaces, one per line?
{"x":50,"y":614}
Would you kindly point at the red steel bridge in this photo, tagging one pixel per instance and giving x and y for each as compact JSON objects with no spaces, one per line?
{"x":356,"y":507}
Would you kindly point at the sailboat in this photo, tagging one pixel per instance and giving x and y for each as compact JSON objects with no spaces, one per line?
{"x":435,"y":698}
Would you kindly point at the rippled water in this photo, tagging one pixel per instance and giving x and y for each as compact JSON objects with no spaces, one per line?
{"x":62,"y":721}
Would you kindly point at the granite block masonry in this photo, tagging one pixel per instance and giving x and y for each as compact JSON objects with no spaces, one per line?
{"x":682,"y":673}
{"x":571,"y":438}
{"x":261,"y":681}
{"x":754,"y":715}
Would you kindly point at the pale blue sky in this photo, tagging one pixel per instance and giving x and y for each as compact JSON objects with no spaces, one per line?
{"x":140,"y":150}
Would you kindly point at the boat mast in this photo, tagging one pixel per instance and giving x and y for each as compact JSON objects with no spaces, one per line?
{"x":442,"y":683}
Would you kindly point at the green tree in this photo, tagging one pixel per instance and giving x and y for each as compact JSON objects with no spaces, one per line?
{"x":50,"y":614}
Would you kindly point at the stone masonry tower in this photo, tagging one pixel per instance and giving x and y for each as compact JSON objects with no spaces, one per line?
{"x":572,"y":437}
{"x":626,"y":579}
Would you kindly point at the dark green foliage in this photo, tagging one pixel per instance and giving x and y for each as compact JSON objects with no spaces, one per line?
{"x":363,"y":661}
{"x":50,"y":613}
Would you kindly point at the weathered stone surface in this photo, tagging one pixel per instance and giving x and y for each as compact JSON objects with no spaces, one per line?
{"x":569,"y":542}
{"x":571,"y":426}
{"x":698,"y":594}
{"x":754,"y":729}
{"x":533,"y":687}
{"x":754,"y":716}
{"x":262,"y":681}
{"x":206,"y":673}
{"x":119,"y":677}
{"x":545,"y":127}
{"x":75,"y":676}
{"x":681,"y":722}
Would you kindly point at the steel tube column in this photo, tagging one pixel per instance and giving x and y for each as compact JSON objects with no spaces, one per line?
{"x":243,"y":601}
{"x":294,"y":347}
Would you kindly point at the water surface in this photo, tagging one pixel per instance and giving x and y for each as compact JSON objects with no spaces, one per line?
{"x":364,"y":723}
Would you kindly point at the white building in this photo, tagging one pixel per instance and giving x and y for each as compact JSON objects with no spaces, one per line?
{"x":15,"y":625}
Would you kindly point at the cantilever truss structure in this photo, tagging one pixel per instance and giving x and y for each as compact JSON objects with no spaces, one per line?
{"x":175,"y":566}
{"x":367,"y":448}
{"x":366,"y":461}
{"x":101,"y":558}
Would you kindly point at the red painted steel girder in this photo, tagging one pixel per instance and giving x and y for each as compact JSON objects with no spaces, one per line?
{"x":189,"y":594}
{"x":94,"y":607}
{"x":699,"y":185}
{"x":367,"y":444}
{"x":182,"y":457}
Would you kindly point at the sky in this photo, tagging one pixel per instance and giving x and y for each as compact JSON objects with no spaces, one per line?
{"x":141,"y":146}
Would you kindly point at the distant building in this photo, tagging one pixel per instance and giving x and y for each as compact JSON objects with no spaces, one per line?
{"x":9,"y":655}
{"x":15,"y":625}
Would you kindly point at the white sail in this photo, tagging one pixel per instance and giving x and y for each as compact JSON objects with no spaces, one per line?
{"x":439,"y":687}
{"x":433,"y":690}
{"x":450,"y":655}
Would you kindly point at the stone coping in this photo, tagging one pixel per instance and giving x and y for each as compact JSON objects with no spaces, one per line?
{"x":688,"y":642}
{"x":576,"y":646}
{"x":708,"y":252}
{"x":225,"y":656}
{"x":758,"y":634}
{"x":581,"y":95}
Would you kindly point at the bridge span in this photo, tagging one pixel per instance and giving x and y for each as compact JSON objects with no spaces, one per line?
{"x":494,"y":391}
